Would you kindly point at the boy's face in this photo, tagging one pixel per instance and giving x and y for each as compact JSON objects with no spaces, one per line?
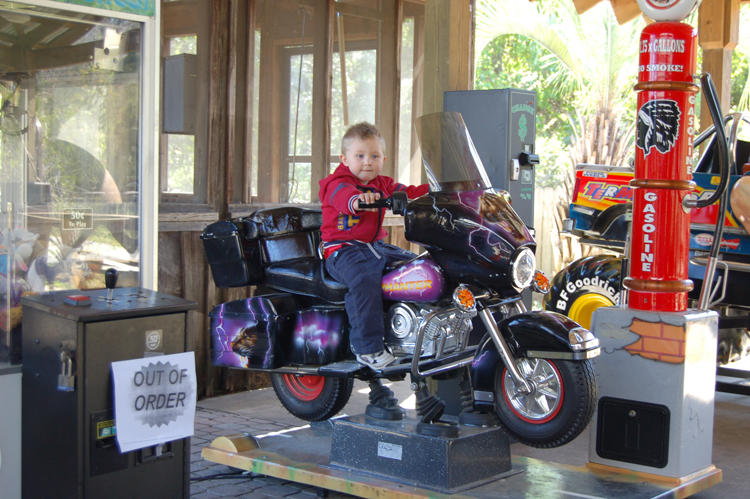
{"x":364,"y":158}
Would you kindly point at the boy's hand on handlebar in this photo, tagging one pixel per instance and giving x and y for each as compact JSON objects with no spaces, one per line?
{"x":366,"y":197}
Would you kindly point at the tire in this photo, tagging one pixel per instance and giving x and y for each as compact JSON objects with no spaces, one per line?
{"x":558,"y":409}
{"x":583,"y":286}
{"x":312,"y":398}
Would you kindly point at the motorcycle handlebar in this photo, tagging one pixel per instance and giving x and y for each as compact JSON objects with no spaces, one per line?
{"x":396,"y":202}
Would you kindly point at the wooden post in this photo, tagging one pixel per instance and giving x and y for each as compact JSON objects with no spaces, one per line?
{"x":217,"y":105}
{"x":388,"y":100}
{"x":449,"y":60}
{"x":323,"y":20}
{"x":269,"y":117}
{"x":718,"y":34}
{"x":417,"y":98}
{"x":230,"y":175}
{"x":249,"y":103}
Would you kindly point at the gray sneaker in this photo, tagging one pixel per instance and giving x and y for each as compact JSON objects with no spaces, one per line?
{"x":376,"y":361}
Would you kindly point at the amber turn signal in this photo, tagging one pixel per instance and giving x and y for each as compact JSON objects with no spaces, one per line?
{"x":463,"y":298}
{"x":540,"y":284}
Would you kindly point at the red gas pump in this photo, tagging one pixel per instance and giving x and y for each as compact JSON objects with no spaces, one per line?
{"x":658,"y":278}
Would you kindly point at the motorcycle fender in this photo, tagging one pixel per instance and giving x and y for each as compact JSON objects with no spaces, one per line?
{"x":539,"y":334}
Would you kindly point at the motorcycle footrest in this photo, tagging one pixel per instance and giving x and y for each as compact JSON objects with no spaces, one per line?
{"x":345,"y":367}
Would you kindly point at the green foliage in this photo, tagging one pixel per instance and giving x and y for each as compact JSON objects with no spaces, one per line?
{"x":514,"y":61}
{"x":181,"y":167}
{"x":582,"y":68}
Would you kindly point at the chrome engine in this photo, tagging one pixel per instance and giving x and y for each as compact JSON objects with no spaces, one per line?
{"x":446,"y":329}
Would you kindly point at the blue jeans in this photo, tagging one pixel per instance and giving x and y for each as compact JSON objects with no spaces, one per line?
{"x":357,"y":266}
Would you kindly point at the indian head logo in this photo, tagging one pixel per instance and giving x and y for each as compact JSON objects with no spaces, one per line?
{"x":658,"y":126}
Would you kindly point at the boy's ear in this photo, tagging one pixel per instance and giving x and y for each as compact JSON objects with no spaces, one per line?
{"x":343,"y":159}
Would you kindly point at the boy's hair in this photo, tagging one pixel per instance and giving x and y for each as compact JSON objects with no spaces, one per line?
{"x":360,"y":131}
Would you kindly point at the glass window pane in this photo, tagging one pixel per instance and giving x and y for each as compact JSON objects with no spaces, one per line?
{"x":300,"y":104}
{"x":354,"y":77}
{"x":180,"y":149}
{"x":361,"y":74}
{"x":180,"y":163}
{"x":69,"y":154}
{"x":300,"y":184}
{"x":256,"y":105}
{"x":183,"y":45}
{"x":405,"y":116}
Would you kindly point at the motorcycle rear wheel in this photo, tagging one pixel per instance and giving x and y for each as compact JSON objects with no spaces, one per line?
{"x":558,"y":409}
{"x":312,"y":398}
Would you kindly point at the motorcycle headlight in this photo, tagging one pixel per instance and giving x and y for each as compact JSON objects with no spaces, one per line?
{"x":522,"y":268}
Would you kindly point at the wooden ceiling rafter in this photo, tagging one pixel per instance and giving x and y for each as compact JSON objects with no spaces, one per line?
{"x":625,"y":10}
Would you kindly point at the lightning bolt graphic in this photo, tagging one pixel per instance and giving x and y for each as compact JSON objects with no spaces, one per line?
{"x":497,"y":247}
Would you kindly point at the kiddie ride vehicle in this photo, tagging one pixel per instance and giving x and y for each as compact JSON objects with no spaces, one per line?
{"x":531,"y":369}
{"x":599,"y":215}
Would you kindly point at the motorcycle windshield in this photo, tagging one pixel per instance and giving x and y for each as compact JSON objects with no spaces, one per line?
{"x":448,"y":154}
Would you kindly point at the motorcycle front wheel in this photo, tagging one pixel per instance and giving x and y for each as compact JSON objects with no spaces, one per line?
{"x":312,"y":398}
{"x":559,"y":407}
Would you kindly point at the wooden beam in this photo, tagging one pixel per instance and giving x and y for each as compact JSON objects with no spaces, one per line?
{"x":322,"y":27}
{"x":356,"y":11}
{"x":718,"y":34}
{"x":388,"y":96}
{"x":448,"y":41}
{"x":231,"y":177}
{"x":718,"y":63}
{"x":19,"y":59}
{"x":74,"y":33}
{"x":461,"y":48}
{"x":249,"y":101}
{"x":269,"y":112}
{"x":585,"y":5}
{"x":217,"y":104}
{"x":204,"y":73}
{"x":719,"y":24}
{"x":180,"y":18}
{"x":417,"y":98}
{"x":625,"y":10}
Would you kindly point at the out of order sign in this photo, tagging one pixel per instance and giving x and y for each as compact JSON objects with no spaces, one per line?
{"x":154,"y":400}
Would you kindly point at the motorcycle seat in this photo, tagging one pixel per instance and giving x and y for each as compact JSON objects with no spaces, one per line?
{"x":306,"y":277}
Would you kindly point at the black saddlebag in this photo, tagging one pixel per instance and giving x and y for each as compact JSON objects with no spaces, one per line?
{"x":268,"y":332}
{"x":239,"y":251}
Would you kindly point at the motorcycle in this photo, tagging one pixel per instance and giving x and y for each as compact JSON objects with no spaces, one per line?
{"x":454,"y":310}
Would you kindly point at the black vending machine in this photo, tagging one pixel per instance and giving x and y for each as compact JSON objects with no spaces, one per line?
{"x":502,"y":125}
{"x":69,"y":447}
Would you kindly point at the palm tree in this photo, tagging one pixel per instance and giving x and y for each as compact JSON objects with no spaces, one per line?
{"x":593,"y":64}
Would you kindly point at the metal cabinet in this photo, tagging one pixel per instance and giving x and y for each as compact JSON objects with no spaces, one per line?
{"x":69,"y":448}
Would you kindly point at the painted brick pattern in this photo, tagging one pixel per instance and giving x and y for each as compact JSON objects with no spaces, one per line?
{"x":658,"y":341}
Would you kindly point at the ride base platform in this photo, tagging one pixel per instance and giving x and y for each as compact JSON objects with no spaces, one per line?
{"x":305,"y":455}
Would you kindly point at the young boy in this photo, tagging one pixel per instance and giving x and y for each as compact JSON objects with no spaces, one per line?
{"x":353,"y":238}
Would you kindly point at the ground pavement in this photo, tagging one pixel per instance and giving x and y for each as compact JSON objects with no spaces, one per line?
{"x":259,"y":413}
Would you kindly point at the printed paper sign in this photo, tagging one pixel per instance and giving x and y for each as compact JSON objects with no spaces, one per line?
{"x":154,"y":400}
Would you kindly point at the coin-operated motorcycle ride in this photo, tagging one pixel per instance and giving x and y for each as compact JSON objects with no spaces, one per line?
{"x":530,"y":369}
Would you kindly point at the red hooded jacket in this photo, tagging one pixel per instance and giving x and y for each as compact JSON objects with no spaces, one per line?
{"x":340,"y":222}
